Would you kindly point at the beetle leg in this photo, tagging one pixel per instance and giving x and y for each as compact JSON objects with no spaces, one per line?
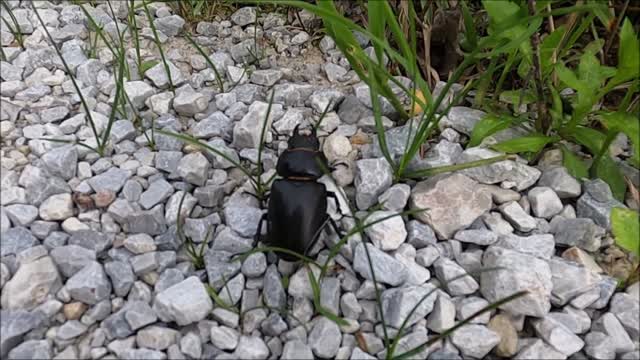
{"x":316,"y":236}
{"x":258,"y":236}
{"x":335,"y":227}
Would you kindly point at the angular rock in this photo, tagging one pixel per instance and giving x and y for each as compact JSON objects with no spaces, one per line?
{"x":31,"y":349}
{"x":539,"y":350}
{"x":194,"y":168}
{"x":570,"y":280}
{"x":518,"y":272}
{"x":266,"y":77}
{"x":243,"y":219}
{"x":111,"y":180}
{"x":558,"y":336}
{"x":157,"y":192}
{"x":388,"y":234}
{"x":156,"y":337}
{"x":251,"y":348}
{"x":596,"y":203}
{"x":453,"y":202}
{"x":627,"y":309}
{"x":542,"y":246}
{"x":220,"y":267}
{"x":462,"y":119}
{"x":90,"y":285}
{"x":273,"y":292}
{"x":246,"y":133}
{"x":224,"y":338}
{"x":244,"y":16}
{"x":520,"y":175}
{"x":545,"y":203}
{"x":158,"y":75}
{"x":188,"y":102}
{"x":296,"y":350}
{"x":373,"y":177}
{"x":501,"y":325}
{"x":215,"y":125}
{"x":478,"y":237}
{"x":583,"y":233}
{"x":386,"y":269}
{"x":31,"y":284}
{"x":559,"y":180}
{"x":397,"y":304}
{"x":325,"y":338}
{"x":121,"y":276}
{"x":514,"y":213}
{"x":184,"y":303}
{"x":62,"y":161}
{"x":56,"y":207}
{"x":451,"y":276}
{"x":475,"y":340}
{"x":72,"y":258}
{"x":138,"y":92}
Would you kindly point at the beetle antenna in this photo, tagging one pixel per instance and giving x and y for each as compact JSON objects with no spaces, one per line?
{"x":295,"y":130}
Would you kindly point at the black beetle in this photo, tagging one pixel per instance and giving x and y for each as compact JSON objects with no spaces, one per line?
{"x":297,"y":210}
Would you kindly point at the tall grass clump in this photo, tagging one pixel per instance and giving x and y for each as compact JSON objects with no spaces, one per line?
{"x":13,"y":27}
{"x":156,"y":39}
{"x":101,"y":138}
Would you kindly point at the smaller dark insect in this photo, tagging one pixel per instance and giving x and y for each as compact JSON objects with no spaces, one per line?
{"x":297,"y":210}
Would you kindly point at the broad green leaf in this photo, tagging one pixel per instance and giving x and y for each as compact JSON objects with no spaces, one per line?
{"x":628,"y":53}
{"x":607,"y":170}
{"x":470,"y":36}
{"x":568,"y":77}
{"x":501,"y":12}
{"x":590,"y":138}
{"x":629,"y":125}
{"x":532,"y":143}
{"x":518,"y":97}
{"x":575,"y":166}
{"x":625,"y":224}
{"x":547,"y":47}
{"x":488,"y":125}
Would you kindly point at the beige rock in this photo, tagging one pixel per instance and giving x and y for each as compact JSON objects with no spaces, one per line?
{"x":74,"y":310}
{"x":508,"y":345}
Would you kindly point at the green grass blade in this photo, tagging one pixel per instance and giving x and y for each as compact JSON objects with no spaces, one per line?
{"x":158,"y":45}
{"x":207,"y":59}
{"x":462,"y":323}
{"x":73,"y":81}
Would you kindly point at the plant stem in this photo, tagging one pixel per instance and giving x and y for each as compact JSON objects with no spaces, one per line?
{"x":542,"y":121}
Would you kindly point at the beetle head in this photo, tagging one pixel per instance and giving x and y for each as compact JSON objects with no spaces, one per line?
{"x":300,"y":141}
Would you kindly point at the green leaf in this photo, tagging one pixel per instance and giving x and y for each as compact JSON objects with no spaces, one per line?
{"x":518,"y":97}
{"x":590,"y":138}
{"x":625,"y":224}
{"x":532,"y":143}
{"x":548,"y":45}
{"x":628,"y":53}
{"x":568,"y":77}
{"x":607,"y":170}
{"x":488,"y":125}
{"x":576,"y":167}
{"x":628,"y":124}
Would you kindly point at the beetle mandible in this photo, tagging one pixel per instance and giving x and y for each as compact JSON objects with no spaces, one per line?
{"x":297,"y":209}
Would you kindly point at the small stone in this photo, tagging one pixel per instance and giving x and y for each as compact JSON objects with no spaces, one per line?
{"x":570,"y":280}
{"x":157,"y":192}
{"x":539,"y":350}
{"x":336,"y":147}
{"x":121,"y":275}
{"x":296,"y":350}
{"x":508,"y":345}
{"x":558,"y":336}
{"x":170,"y":25}
{"x":466,"y":307}
{"x":31,"y":349}
{"x":112,"y":180}
{"x":388,"y":234}
{"x":395,"y":198}
{"x":373,"y":177}
{"x":513,"y":173}
{"x":451,"y":276}
{"x":244,"y":16}
{"x":71,"y":329}
{"x":31,"y":284}
{"x":475,"y":340}
{"x":139,"y":314}
{"x":325,"y":338}
{"x":596,"y":203}
{"x":420,"y":235}
{"x":188,"y":102}
{"x":243,"y":219}
{"x":514,"y":213}
{"x":224,"y":338}
{"x":610,"y":325}
{"x":191,"y":345}
{"x":72,"y":258}
{"x":21,"y":215}
{"x":517,"y":272}
{"x":542,"y":246}
{"x":386,"y":269}
{"x":138,"y":92}
{"x":158,"y":75}
{"x":544,"y":202}
{"x":90,"y":284}
{"x":330,"y":294}
{"x":246,"y":133}
{"x":266,"y":77}
{"x":599,"y":346}
{"x":583,"y":233}
{"x":450,"y":202}
{"x":184,"y":303}
{"x":56,"y":207}
{"x":273,"y":291}
{"x":398,"y":303}
{"x":254,"y":265}
{"x":559,"y":180}
{"x":194,"y":168}
{"x":156,"y":337}
{"x":251,"y":348}
{"x":443,"y":315}
{"x":300,"y":38}
{"x":62,"y":161}
{"x":478,"y":237}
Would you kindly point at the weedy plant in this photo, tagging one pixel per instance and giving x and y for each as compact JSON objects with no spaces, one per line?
{"x":156,"y":39}
{"x":542,"y":66}
{"x":101,"y":136}
{"x":14,"y":26}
